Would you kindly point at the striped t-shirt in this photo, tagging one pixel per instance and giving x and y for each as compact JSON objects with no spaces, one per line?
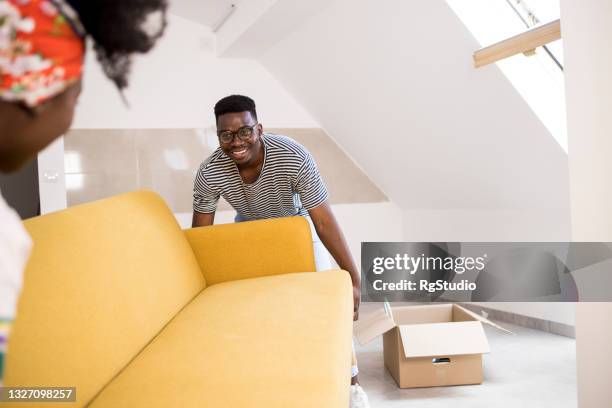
{"x":289,"y":183}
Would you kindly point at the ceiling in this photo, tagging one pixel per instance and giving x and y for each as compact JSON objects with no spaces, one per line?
{"x":206,"y":12}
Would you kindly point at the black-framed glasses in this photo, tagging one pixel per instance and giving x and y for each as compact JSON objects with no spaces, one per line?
{"x":244,"y":134}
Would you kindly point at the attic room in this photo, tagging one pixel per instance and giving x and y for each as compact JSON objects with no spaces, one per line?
{"x":456,"y":122}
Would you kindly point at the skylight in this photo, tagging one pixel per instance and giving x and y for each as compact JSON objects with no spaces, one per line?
{"x":538,"y":78}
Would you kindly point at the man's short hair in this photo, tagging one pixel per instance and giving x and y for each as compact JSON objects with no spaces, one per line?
{"x":235,"y":104}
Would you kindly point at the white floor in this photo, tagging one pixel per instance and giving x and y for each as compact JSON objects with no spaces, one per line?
{"x":530,"y":369}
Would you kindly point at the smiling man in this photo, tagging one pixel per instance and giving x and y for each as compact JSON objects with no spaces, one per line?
{"x":262,"y":175}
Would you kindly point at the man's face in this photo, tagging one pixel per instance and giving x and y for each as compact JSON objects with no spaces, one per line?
{"x":243,"y":151}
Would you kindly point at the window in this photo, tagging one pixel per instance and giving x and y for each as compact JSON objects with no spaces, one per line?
{"x":538,"y":78}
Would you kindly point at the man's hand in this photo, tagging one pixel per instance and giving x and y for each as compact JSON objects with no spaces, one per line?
{"x":356,"y":302}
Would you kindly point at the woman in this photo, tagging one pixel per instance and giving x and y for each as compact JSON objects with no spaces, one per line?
{"x":42,"y":48}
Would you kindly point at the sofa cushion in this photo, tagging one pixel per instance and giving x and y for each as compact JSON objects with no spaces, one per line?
{"x":103,"y":279}
{"x":279,"y":341}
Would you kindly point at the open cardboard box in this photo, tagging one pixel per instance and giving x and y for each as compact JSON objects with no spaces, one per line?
{"x":429,"y":345}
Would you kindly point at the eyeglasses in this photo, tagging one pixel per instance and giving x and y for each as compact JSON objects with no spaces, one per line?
{"x":244,"y":133}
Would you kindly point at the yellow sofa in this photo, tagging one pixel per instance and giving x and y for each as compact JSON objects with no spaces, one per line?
{"x":122,"y":304}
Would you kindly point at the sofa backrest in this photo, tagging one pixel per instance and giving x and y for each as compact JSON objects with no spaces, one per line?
{"x":252,"y":249}
{"x":103,"y":279}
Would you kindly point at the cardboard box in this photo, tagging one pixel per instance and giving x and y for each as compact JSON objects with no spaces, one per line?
{"x":430,"y":345}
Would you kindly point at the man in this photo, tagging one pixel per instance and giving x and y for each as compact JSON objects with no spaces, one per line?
{"x":266,"y":176}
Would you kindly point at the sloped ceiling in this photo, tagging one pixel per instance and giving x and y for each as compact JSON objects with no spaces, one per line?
{"x":205,"y":12}
{"x":394,"y":84}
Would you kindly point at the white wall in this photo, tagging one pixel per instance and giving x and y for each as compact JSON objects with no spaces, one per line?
{"x":374,"y":222}
{"x":257,"y":24}
{"x":587,"y":29}
{"x":442,"y":139}
{"x":51,"y":177}
{"x":484,"y":225}
{"x":178,"y":83}
{"x":244,"y":17}
{"x":552,"y":311}
{"x":588,"y":60}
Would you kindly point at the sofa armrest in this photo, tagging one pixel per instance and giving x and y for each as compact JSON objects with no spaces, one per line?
{"x":228,"y":252}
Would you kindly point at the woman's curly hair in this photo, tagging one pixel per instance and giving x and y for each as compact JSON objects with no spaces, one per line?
{"x":119,"y":29}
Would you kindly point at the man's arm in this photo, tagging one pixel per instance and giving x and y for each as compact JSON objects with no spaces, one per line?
{"x":202,"y":219}
{"x":329,"y":231}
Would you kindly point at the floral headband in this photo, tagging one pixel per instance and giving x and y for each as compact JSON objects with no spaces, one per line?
{"x":41,"y":50}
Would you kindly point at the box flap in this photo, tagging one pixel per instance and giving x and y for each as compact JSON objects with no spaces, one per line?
{"x":444,"y":339}
{"x":372,"y":325}
{"x":418,"y":314}
{"x":483,"y":319}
